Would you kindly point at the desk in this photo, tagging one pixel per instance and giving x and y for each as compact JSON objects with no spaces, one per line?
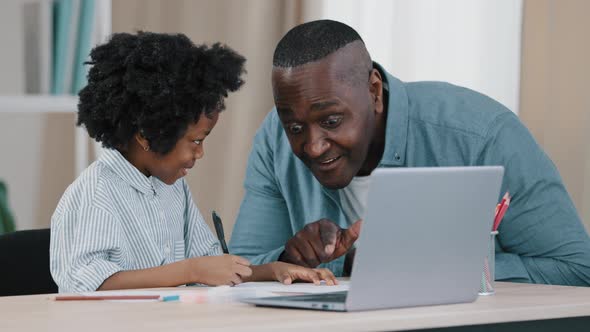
{"x":512,"y":303}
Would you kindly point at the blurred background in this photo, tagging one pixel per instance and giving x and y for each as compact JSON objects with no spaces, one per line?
{"x":531,"y":55}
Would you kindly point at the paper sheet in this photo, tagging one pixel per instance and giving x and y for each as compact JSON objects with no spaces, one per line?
{"x":226,"y":294}
{"x":306,"y":288}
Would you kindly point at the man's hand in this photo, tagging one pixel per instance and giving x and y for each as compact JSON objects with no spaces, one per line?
{"x":320,"y":242}
{"x":219,"y":270}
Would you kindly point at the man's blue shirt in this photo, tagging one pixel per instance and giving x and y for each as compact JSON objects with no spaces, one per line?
{"x":541,"y":238}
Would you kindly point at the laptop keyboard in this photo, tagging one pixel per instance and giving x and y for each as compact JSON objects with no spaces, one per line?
{"x":335,"y":297}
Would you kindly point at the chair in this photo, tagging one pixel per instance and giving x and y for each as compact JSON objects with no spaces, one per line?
{"x":6,"y":219}
{"x":24,"y":263}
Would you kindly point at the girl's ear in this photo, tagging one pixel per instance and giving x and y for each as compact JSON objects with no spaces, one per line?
{"x":142,"y":141}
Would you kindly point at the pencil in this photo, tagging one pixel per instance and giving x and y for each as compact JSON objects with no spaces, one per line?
{"x":105,"y":297}
{"x":501,"y":210}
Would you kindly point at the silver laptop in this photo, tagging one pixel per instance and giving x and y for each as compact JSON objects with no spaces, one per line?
{"x":423,"y":241}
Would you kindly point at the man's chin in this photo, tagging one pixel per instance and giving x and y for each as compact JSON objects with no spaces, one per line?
{"x":336,"y":178}
{"x":334,"y":184}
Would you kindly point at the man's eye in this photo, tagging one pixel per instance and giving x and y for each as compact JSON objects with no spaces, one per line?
{"x":332,"y":122}
{"x":295,"y":128}
{"x":198,"y":141}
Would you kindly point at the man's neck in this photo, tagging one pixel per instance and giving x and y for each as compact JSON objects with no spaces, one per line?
{"x":376,"y":147}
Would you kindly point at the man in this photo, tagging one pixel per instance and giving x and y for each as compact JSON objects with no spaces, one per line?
{"x":339,"y":116}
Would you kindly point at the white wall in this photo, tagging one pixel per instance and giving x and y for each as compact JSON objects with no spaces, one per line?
{"x":472,"y":43}
{"x":12,"y":74}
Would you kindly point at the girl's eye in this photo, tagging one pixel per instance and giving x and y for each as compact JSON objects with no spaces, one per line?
{"x":295,"y":128}
{"x":332,"y":122}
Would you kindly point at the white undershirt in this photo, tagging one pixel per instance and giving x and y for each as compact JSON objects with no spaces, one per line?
{"x":353,"y":198}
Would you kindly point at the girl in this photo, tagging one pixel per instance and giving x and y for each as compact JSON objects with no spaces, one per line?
{"x":129,"y":220}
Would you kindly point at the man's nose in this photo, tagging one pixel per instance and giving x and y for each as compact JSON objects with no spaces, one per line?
{"x":316,"y":145}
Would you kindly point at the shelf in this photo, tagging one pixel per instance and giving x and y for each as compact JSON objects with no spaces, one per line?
{"x":47,"y":104}
{"x":38,"y":104}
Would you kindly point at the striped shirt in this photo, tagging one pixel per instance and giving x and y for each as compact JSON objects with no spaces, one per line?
{"x":114,"y":218}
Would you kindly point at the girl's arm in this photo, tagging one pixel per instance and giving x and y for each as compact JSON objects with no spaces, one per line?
{"x":209,"y":270}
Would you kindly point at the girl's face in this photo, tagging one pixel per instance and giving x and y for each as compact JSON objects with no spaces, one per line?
{"x":189,"y":148}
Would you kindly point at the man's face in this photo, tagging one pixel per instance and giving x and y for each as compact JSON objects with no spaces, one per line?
{"x":329,"y":121}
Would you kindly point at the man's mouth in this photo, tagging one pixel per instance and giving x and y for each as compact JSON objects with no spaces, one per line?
{"x":328,"y":163}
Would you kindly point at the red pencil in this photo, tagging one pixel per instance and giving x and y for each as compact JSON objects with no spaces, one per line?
{"x":500,"y":211}
{"x":105,"y":297}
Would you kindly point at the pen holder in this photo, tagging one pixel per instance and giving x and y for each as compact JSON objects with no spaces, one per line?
{"x":487,"y":276}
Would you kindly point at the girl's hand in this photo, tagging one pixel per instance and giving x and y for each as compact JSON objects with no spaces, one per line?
{"x":289,"y":273}
{"x":219,"y":270}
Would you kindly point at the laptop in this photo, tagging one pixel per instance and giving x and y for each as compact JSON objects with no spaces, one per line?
{"x":423,"y":241}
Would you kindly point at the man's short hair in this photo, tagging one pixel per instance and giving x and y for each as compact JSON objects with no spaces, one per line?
{"x":312,"y":41}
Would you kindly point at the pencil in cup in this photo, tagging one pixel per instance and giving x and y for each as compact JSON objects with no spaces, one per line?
{"x":487,"y":277}
{"x":501,"y":210}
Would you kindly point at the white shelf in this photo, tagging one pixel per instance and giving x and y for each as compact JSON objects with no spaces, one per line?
{"x":48,"y":104}
{"x":38,"y":104}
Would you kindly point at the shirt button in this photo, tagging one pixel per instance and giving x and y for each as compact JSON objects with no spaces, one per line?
{"x":397,"y":156}
{"x":166,"y":250}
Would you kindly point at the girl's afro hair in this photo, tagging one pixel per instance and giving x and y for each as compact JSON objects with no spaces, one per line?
{"x":156,"y":85}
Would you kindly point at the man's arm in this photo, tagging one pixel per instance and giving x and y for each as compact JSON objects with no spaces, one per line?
{"x":322,"y":241}
{"x":263,"y":226}
{"x":542,"y":239}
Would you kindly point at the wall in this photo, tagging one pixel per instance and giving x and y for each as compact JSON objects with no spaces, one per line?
{"x":250,"y":27}
{"x":555,"y":103}
{"x":36,"y":158}
{"x":37,"y":150}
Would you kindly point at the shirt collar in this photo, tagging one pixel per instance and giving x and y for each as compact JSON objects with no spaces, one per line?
{"x":114,"y":160}
{"x":396,"y":131}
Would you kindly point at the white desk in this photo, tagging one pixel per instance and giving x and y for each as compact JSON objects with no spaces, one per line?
{"x":512,"y":303}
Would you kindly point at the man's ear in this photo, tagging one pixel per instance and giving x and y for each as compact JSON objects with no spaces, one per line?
{"x":376,"y":89}
{"x":142,"y":141}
